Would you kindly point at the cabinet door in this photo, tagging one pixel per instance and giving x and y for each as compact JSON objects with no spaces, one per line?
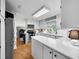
{"x":57,"y":55}
{"x":47,"y":53}
{"x":70,"y":19}
{"x":36,"y":49}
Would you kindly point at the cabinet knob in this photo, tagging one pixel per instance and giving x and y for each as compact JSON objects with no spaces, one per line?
{"x":50,"y":52}
{"x":55,"y":55}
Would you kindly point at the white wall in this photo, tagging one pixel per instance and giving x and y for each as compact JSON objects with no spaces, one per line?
{"x":19,"y":20}
{"x":58,"y":21}
{"x":70,"y":13}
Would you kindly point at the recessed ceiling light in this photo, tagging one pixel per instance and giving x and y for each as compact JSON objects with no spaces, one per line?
{"x":19,"y":6}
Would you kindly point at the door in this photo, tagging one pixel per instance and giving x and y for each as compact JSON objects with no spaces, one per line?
{"x":48,"y":53}
{"x":37,"y":49}
{"x":9,"y":38}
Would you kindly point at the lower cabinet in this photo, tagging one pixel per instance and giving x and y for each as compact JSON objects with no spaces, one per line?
{"x":57,"y":55}
{"x":40,"y":51}
{"x":37,"y":50}
{"x":47,"y":53}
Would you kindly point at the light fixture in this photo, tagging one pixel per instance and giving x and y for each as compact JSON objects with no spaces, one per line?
{"x":43,"y":10}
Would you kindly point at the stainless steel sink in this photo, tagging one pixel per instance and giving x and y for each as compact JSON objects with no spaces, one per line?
{"x":55,"y":37}
{"x":51,"y":35}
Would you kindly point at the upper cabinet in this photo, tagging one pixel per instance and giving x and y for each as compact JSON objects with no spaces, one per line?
{"x":70,"y":13}
{"x":2,"y":8}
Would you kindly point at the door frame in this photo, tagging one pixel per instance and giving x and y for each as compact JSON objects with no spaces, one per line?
{"x":2,"y":37}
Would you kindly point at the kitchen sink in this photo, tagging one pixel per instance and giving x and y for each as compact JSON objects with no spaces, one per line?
{"x":54,"y":36}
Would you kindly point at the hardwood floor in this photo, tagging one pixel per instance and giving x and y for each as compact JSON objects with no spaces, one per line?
{"x":23,"y":51}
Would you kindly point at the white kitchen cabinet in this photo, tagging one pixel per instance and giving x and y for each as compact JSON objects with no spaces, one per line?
{"x":70,"y":14}
{"x":47,"y":53}
{"x":57,"y":55}
{"x":41,"y":51}
{"x":37,"y":50}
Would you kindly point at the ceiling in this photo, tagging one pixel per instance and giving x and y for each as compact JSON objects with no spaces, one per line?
{"x":28,"y":7}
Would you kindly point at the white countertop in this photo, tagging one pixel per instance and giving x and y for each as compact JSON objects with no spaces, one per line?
{"x":61,"y":45}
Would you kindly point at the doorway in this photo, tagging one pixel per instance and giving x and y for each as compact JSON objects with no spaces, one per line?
{"x":20,"y":35}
